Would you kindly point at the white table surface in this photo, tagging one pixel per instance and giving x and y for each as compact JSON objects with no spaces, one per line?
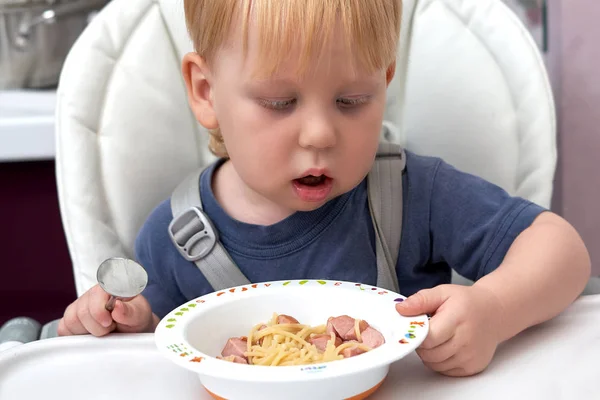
{"x":557,"y":360}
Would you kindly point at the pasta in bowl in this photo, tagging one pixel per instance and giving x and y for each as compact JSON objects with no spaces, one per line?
{"x":291,"y":339}
{"x":284,"y":341}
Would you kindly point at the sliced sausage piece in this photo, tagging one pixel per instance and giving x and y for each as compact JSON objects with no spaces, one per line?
{"x":351,"y":351}
{"x":320,"y":341}
{"x":234,"y":359}
{"x":262,"y":339}
{"x":372,"y":338}
{"x":286,"y":319}
{"x":343,"y":326}
{"x":351,"y":335}
{"x":239,"y":360}
{"x":340,"y":325}
{"x":330,"y":327}
{"x":235,"y":347}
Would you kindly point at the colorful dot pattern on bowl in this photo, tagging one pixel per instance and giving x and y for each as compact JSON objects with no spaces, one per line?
{"x":186,"y":309}
{"x":183,"y":351}
{"x":414,"y":325}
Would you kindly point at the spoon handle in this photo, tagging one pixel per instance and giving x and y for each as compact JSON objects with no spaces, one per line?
{"x":110,"y":305}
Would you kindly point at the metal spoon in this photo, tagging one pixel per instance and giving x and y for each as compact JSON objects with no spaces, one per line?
{"x":122,"y":279}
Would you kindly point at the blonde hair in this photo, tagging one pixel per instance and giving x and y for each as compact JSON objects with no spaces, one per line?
{"x":371,"y":27}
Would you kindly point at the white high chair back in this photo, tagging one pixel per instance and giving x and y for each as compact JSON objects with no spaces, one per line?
{"x":470,"y":87}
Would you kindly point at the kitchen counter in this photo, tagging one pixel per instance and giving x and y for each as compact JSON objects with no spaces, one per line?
{"x":27,"y":125}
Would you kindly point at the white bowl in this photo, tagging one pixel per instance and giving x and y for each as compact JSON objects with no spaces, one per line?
{"x":195,"y":333}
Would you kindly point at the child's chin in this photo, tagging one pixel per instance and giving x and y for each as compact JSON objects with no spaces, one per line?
{"x":305,"y":206}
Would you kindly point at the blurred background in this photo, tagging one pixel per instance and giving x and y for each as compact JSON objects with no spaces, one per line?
{"x":35,"y":35}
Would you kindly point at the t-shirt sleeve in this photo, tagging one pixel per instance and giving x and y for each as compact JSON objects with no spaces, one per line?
{"x":161,"y":292}
{"x":474,"y":222}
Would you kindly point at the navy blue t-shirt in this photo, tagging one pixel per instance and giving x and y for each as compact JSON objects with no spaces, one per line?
{"x":451,"y":220}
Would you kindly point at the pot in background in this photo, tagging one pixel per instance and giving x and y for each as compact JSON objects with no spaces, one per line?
{"x":36,"y":36}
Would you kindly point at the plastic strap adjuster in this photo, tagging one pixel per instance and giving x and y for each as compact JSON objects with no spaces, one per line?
{"x":193,"y":234}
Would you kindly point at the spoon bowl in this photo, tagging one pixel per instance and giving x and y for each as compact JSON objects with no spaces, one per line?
{"x":123,"y":279}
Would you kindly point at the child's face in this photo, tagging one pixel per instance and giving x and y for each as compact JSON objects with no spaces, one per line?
{"x":282,"y":129}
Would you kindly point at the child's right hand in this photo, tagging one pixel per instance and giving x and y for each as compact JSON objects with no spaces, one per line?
{"x":88,"y":315}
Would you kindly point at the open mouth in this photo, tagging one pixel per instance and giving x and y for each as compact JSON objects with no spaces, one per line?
{"x":311,"y":180}
{"x":313,"y":188}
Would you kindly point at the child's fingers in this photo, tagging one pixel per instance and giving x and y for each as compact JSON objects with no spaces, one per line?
{"x":456,"y":372}
{"x":62,"y":329}
{"x":442,"y":327}
{"x":447,"y":365}
{"x":88,"y":313}
{"x":97,"y":306}
{"x":69,"y":323}
{"x":132,"y":316}
{"x":464,"y":362}
{"x":440,"y":353}
{"x":426,"y":301}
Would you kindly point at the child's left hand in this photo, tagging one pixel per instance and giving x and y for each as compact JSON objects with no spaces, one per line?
{"x":463,"y":330}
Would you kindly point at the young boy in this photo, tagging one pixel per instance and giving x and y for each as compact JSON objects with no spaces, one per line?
{"x":293,"y":92}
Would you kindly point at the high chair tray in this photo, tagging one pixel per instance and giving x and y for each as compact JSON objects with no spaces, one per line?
{"x":114,"y":367}
{"x":556,"y":360}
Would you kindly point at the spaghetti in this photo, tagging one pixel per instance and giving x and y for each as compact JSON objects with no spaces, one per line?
{"x":283,"y":341}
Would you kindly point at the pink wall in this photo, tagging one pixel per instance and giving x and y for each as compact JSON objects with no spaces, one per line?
{"x":574,"y":63}
{"x":36,"y":277}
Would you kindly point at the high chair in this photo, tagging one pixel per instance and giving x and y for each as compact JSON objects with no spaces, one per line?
{"x":470,"y":87}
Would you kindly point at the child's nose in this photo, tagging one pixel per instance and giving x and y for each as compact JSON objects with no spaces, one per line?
{"x":319,"y":132}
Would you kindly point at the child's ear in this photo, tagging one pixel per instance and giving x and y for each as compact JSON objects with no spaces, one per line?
{"x":199,"y":91}
{"x":391,"y":71}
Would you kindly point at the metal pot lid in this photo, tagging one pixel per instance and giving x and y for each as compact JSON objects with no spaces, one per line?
{"x":29,"y":2}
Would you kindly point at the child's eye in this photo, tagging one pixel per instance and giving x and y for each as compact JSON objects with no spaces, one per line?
{"x":350,"y":102}
{"x":278,"y":105}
